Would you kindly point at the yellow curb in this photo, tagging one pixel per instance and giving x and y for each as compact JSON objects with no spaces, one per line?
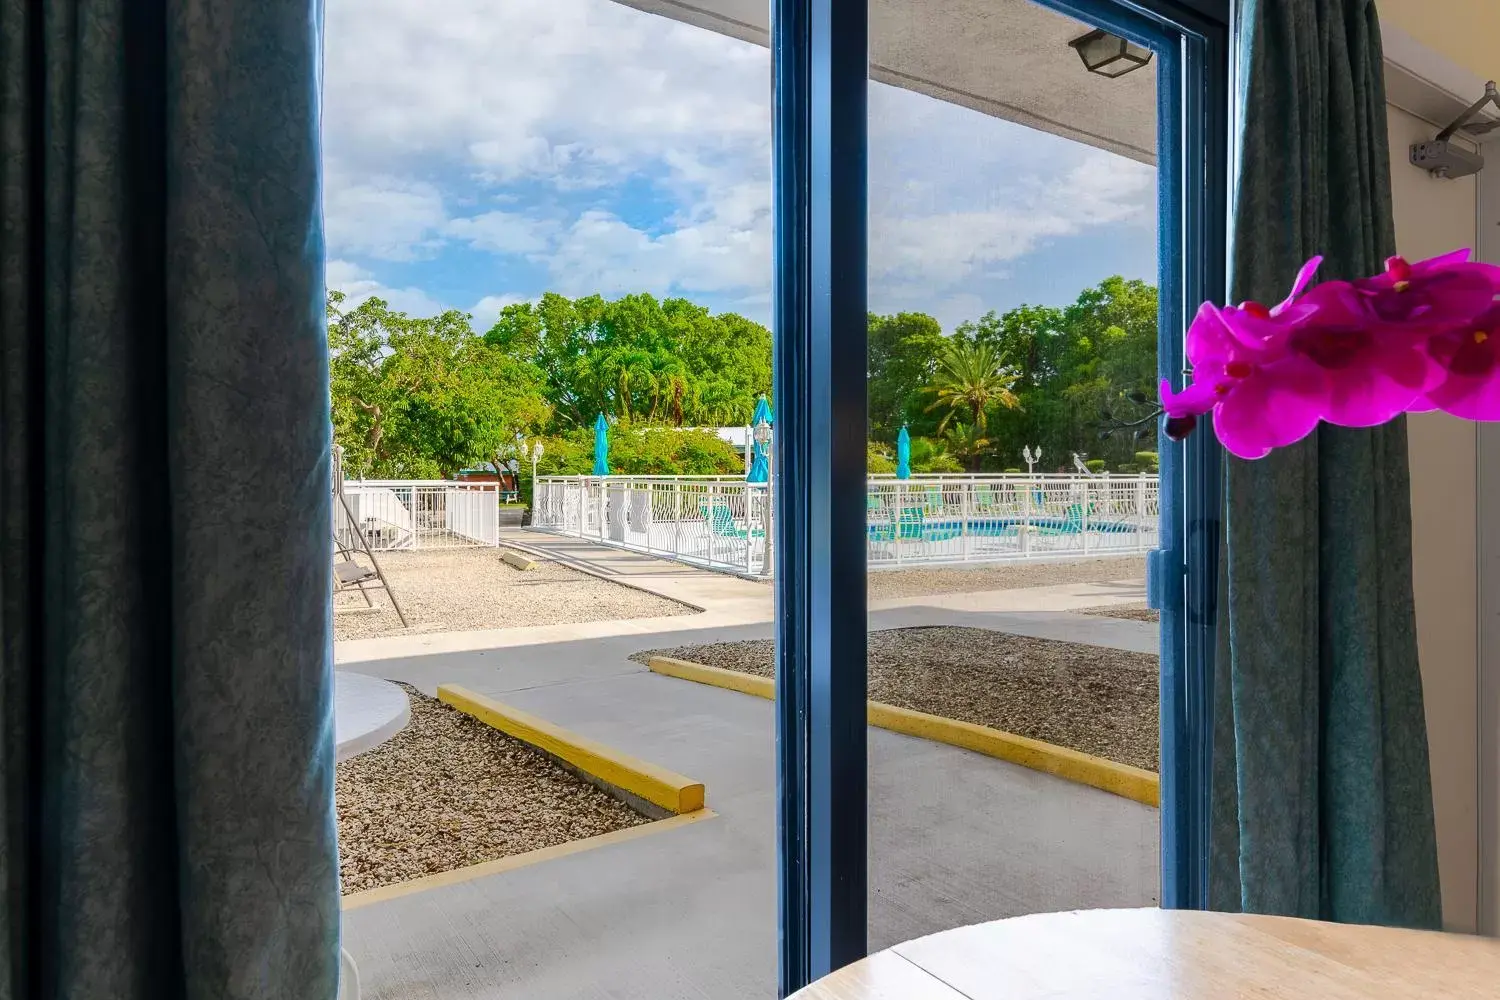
{"x":355,"y":900}
{"x":519,"y":560}
{"x":734,"y":680}
{"x":1128,"y":782}
{"x":1084,"y":769}
{"x":656,"y":785}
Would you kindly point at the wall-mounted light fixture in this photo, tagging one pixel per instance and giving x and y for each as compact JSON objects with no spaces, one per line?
{"x":1442,"y":157}
{"x":1110,"y":55}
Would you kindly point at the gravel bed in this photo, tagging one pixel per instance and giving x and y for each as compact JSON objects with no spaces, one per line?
{"x":1130,"y":612}
{"x":456,"y":590}
{"x":449,"y":791}
{"x":1001,"y":576}
{"x":1092,"y":698}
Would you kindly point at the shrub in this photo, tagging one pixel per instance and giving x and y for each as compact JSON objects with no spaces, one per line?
{"x":1012,"y":471}
{"x":1095,"y":465}
{"x":877,"y":459}
{"x":1148,"y":460}
{"x":1128,"y":469}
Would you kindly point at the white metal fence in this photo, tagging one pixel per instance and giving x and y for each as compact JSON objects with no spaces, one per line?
{"x":420,"y":514}
{"x":726,"y":523}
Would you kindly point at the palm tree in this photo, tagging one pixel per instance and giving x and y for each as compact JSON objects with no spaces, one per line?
{"x":970,"y":377}
{"x":967,"y":443}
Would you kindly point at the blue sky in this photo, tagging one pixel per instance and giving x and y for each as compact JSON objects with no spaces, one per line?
{"x":481,"y":152}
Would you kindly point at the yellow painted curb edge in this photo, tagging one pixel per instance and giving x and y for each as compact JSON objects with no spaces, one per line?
{"x":734,"y":680}
{"x":1128,"y":782}
{"x":380,"y":894}
{"x":656,"y":785}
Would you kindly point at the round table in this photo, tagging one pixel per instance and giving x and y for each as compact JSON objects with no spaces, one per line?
{"x":367,"y":711}
{"x":1170,"y":955}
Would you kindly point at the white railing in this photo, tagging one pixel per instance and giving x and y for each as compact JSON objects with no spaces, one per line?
{"x":713,"y":522}
{"x":420,"y":514}
{"x":725,"y":523}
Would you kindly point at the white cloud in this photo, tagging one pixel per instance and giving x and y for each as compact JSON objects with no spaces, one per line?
{"x":517,"y":88}
{"x":503,"y":232}
{"x":358,"y":284}
{"x":382,"y":217}
{"x":940,"y":247}
{"x":487,"y":309}
{"x":618,"y":151}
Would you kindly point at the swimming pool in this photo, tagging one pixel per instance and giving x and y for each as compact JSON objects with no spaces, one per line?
{"x":938,"y":529}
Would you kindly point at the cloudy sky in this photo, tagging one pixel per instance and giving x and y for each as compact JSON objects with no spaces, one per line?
{"x":481,"y":152}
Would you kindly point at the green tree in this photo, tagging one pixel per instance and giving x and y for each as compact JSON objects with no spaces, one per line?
{"x":423,"y":398}
{"x":638,"y":359}
{"x":903,"y":357}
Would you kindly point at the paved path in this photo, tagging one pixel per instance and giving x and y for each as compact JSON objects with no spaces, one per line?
{"x":725,"y":601}
{"x":690,"y":912}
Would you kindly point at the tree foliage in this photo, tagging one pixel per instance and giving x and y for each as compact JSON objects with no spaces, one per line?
{"x":424,"y":398}
{"x":417,"y":397}
{"x":1071,"y":366}
{"x":639,"y":359}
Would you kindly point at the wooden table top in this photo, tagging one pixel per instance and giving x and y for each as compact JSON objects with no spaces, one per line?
{"x":1170,"y":955}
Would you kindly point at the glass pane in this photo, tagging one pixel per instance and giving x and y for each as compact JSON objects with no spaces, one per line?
{"x":549,"y":245}
{"x":1012,"y":494}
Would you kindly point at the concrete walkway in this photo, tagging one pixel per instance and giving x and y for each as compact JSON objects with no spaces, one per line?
{"x":691,"y":912}
{"x":724,"y":601}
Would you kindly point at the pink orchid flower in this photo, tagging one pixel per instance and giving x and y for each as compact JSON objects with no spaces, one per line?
{"x":1437,"y":293}
{"x":1357,"y":354}
{"x":1469,"y":357}
{"x":1262,"y":396}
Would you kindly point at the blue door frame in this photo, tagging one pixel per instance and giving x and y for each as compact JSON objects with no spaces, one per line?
{"x":820,"y":77}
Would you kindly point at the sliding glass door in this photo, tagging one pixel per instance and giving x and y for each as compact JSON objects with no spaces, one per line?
{"x":992,"y":219}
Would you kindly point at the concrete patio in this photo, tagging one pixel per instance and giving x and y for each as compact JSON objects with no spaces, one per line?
{"x":690,"y":912}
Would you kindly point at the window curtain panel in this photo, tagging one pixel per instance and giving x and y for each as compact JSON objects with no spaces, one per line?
{"x":166,"y":741}
{"x":1322,"y":801}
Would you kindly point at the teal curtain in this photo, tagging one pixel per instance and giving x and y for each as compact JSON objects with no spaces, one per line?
{"x":166,"y":751}
{"x":1322,"y":798}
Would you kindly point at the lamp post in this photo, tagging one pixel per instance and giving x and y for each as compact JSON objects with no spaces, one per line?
{"x":534,"y":453}
{"x":1031,"y":458}
{"x":762,"y":435}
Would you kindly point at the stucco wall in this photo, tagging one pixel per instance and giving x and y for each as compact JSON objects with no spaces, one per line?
{"x":1466,"y":31}
{"x":1434,"y":216}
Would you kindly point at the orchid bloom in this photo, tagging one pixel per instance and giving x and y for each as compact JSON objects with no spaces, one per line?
{"x":1262,"y":397}
{"x":1469,"y":357}
{"x":1436,"y":293}
{"x":1355,"y":354}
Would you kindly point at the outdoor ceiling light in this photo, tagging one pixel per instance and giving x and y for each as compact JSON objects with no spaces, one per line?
{"x":1110,"y":55}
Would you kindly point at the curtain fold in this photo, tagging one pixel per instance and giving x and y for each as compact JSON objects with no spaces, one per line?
{"x":1322,"y":801}
{"x":165,"y":681}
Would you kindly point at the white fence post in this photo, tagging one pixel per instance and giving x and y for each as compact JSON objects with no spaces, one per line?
{"x":1140,"y":514}
{"x":1083,"y":515}
{"x":965,"y":506}
{"x":1026,"y":491}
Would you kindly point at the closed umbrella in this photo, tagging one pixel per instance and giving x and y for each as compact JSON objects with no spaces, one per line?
{"x":601,"y":446}
{"x":903,"y":454}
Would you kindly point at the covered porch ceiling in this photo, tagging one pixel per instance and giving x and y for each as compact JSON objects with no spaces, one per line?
{"x":1005,"y":58}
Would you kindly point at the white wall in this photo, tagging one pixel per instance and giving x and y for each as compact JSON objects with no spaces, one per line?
{"x":1434,"y":216}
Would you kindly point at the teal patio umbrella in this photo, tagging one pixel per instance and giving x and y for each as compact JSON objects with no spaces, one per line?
{"x":903,"y":454}
{"x":601,"y":446}
{"x":760,"y":467}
